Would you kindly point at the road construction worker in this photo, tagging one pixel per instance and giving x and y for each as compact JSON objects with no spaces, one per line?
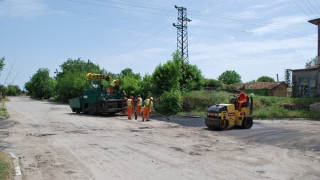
{"x":130,"y":105}
{"x":148,"y":105}
{"x":242,"y":99}
{"x":138,"y":106}
{"x":113,"y":84}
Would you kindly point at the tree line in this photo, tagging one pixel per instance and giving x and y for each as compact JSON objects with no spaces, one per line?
{"x":167,"y":83}
{"x":10,"y":90}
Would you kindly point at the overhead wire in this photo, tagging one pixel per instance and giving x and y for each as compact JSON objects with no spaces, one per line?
{"x":310,"y":8}
{"x":117,"y":7}
{"x":141,"y":5}
{"x":138,"y":43}
{"x":9,"y":73}
{"x":237,"y":21}
{"x":301,"y":9}
{"x":134,"y":39}
{"x":317,"y":2}
{"x":202,"y":17}
{"x":314,"y":6}
{"x":144,"y":8}
{"x":165,"y":11}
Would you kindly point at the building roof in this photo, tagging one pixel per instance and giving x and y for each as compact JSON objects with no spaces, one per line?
{"x":308,"y":69}
{"x":315,"y":21}
{"x":259,"y":85}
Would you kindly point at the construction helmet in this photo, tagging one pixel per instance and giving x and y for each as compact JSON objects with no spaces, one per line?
{"x":151,"y":98}
{"x":131,"y":97}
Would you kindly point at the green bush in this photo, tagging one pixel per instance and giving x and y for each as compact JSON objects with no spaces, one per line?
{"x":71,"y":81}
{"x":214,"y":84}
{"x":201,"y":100}
{"x":41,"y":85}
{"x":261,"y":92}
{"x":13,"y":90}
{"x":231,"y":86}
{"x":170,"y":102}
{"x":264,"y":107}
{"x":230,"y":77}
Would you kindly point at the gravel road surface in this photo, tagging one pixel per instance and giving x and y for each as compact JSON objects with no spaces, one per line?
{"x":53,"y":143}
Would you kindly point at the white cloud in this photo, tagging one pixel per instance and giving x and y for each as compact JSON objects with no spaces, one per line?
{"x":252,"y":59}
{"x":280,"y":23}
{"x":249,"y":48}
{"x":151,"y":51}
{"x":195,"y":22}
{"x":21,"y":8}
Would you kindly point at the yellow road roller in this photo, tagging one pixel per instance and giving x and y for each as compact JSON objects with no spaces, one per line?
{"x":225,"y":116}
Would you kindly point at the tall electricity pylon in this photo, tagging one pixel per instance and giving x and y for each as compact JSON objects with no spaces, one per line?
{"x":182,"y":33}
{"x":287,"y":76}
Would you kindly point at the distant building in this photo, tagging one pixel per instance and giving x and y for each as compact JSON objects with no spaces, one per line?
{"x":306,"y":82}
{"x":279,"y":89}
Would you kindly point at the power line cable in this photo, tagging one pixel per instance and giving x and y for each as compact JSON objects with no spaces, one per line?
{"x":314,"y":6}
{"x":241,"y":20}
{"x":306,"y":3}
{"x":206,"y":16}
{"x":226,"y":19}
{"x":9,"y":73}
{"x":14,"y":79}
{"x":317,"y":2}
{"x":98,"y":14}
{"x":200,"y":14}
{"x":137,"y":43}
{"x":116,"y":7}
{"x":301,"y":9}
{"x":134,"y":39}
{"x":141,"y":5}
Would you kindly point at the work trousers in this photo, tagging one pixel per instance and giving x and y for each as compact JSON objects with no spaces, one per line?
{"x":111,"y":89}
{"x":138,"y":111}
{"x":146,"y":112}
{"x":129,"y":110}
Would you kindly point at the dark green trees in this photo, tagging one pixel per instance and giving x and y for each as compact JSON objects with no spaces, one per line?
{"x":71,"y":81}
{"x":41,"y":85}
{"x":230,"y":77}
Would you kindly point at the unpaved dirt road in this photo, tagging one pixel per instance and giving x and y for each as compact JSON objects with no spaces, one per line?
{"x":53,"y":143}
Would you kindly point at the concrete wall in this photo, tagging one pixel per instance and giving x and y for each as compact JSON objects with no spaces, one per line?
{"x":305,"y":83}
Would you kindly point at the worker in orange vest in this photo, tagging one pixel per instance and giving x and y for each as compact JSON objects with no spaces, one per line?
{"x":113,"y":84}
{"x":138,"y":106}
{"x":130,"y":104}
{"x":242,"y":99}
{"x":148,"y":105}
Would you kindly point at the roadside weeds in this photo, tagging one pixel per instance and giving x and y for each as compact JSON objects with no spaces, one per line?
{"x":6,"y":162}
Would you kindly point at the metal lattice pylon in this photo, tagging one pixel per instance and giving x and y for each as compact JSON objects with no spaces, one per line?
{"x":287,"y":76}
{"x":182,"y":33}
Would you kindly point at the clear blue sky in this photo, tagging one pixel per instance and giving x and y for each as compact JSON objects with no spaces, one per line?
{"x":254,"y":38}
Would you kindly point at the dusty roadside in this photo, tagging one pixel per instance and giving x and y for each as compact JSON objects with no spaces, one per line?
{"x":53,"y":143}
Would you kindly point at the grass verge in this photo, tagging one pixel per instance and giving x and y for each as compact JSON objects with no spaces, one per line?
{"x":3,"y":109}
{"x":6,"y":165}
{"x":196,"y":103}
